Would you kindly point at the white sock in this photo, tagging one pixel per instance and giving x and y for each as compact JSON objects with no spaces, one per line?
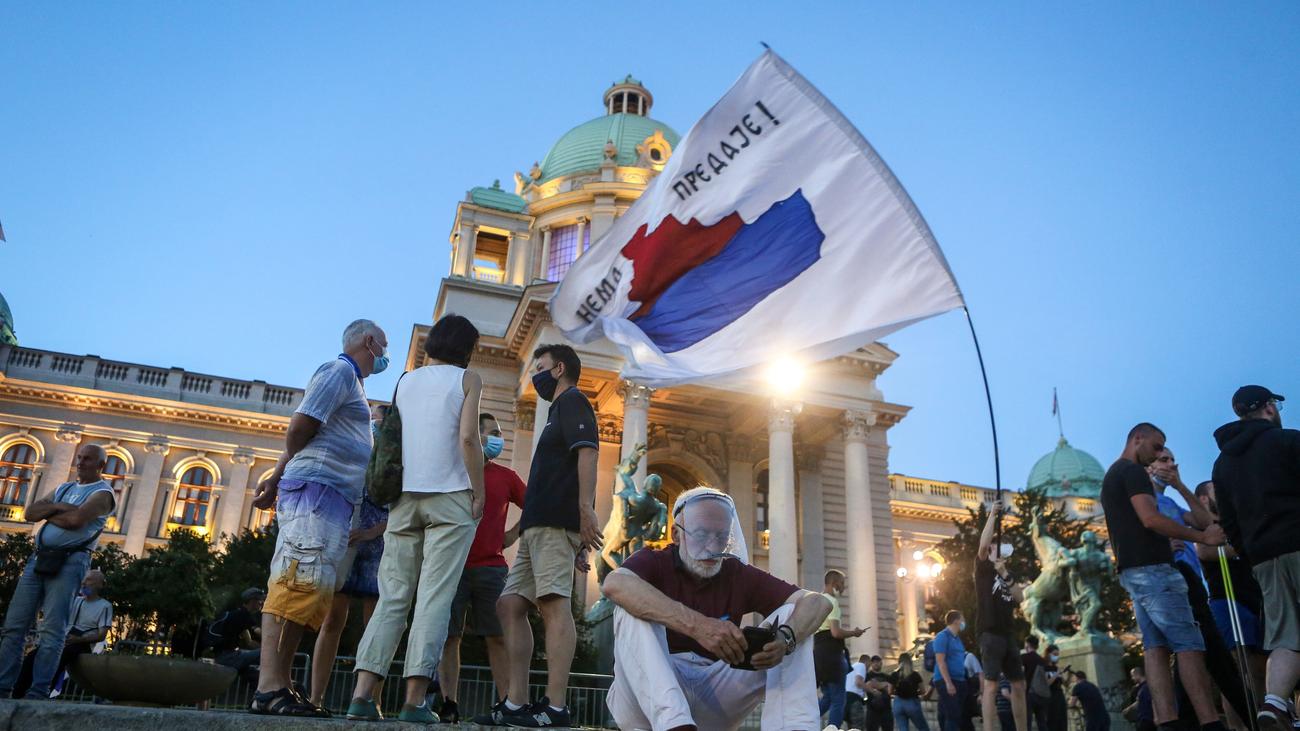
{"x":557,"y":710}
{"x":512,"y":706}
{"x":1276,"y":700}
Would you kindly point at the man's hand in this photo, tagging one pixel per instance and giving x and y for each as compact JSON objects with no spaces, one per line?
{"x":476,"y":505}
{"x":952,"y":689}
{"x":857,"y":631}
{"x":357,"y":536}
{"x":722,"y":638}
{"x":590,"y":528}
{"x":770,"y":656}
{"x":580,"y":561}
{"x":1167,"y":473}
{"x":264,"y":497}
{"x":1213,"y":536}
{"x":511,"y":535}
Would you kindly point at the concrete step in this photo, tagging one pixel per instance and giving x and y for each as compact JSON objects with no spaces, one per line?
{"x":63,"y":715}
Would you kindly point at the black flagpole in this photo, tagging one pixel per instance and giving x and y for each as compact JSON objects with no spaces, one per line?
{"x":993,"y":425}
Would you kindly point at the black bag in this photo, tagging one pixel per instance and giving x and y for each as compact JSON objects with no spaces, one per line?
{"x":49,"y":561}
{"x":384,"y":471}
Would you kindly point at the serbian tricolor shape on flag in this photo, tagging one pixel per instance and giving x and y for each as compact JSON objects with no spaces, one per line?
{"x":775,"y":230}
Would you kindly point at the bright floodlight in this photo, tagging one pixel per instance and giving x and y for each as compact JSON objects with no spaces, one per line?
{"x":936,"y":569}
{"x":923,"y":571}
{"x":784,"y":376}
{"x":918,"y":555}
{"x":902,"y":572}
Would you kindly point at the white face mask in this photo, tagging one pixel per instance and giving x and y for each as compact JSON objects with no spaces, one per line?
{"x":1004,"y":551}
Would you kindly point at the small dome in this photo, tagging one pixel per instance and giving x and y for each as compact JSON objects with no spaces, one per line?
{"x":6,"y":324}
{"x":497,"y":198}
{"x":1066,"y":471}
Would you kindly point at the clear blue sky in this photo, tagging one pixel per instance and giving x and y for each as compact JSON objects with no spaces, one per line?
{"x":223,"y":186}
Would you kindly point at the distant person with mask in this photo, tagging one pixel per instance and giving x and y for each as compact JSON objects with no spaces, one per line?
{"x":235,"y":635}
{"x":1255,"y":479}
{"x":558,"y":521}
{"x":829,"y":650}
{"x":89,"y":622}
{"x":358,"y":579}
{"x":997,"y":596}
{"x":950,"y":670}
{"x":483,"y":578}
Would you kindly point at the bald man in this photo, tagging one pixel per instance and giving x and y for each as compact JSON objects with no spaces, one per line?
{"x":74,"y":517}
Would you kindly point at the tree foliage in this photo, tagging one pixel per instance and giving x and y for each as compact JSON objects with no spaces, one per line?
{"x":955,"y":587}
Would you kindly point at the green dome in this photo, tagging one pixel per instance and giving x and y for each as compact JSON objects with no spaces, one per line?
{"x":6,"y":324}
{"x":1066,"y":471}
{"x":497,"y":198}
{"x":583,"y":147}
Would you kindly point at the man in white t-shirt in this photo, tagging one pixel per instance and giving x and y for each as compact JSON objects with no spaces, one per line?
{"x":854,"y":688}
{"x":89,"y":622}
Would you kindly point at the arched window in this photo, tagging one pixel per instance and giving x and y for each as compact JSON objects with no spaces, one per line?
{"x":115,"y":475}
{"x":16,"y":469}
{"x":192,"y":497}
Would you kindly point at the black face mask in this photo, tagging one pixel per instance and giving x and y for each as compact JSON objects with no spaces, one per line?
{"x":545,"y":384}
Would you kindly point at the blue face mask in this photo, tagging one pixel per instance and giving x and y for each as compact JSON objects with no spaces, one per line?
{"x":492,"y":446}
{"x":381,"y":362}
{"x":374,"y":429}
{"x":963,"y":625}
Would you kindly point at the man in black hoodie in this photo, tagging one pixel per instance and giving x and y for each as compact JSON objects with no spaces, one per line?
{"x":1257,"y":481}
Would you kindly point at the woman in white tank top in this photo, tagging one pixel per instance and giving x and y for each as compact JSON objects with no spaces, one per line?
{"x":432,"y":524}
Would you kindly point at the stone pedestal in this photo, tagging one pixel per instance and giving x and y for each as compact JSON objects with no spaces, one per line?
{"x":1101,"y":658}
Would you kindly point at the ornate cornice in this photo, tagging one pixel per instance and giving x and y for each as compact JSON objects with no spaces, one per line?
{"x":740,"y":448}
{"x":69,"y":433}
{"x":153,"y":409}
{"x":243,"y":456}
{"x":157,"y":444}
{"x":707,"y":445}
{"x":635,"y":396}
{"x":781,"y":415}
{"x":525,"y":414}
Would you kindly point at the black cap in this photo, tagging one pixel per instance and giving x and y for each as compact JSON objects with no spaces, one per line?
{"x":1250,"y":398}
{"x":251,"y":594}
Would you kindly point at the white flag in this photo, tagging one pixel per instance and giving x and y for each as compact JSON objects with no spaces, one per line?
{"x":774,"y":230}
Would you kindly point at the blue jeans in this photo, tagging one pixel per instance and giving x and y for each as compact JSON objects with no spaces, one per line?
{"x":53,"y":596}
{"x":833,"y":701}
{"x":950,"y":706}
{"x":909,"y":709}
{"x":1164,"y":616}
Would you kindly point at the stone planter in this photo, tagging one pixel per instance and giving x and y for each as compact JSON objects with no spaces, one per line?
{"x":151,"y":680}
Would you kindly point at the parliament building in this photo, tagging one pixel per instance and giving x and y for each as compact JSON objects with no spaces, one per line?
{"x":808,"y":471}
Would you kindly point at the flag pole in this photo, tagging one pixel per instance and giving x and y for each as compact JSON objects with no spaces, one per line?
{"x":993,"y":425}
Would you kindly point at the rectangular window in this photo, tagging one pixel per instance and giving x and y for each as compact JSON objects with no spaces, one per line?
{"x":564,"y":250}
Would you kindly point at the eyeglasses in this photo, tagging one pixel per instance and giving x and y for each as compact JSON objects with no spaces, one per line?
{"x":1276,"y":404}
{"x":708,"y":537}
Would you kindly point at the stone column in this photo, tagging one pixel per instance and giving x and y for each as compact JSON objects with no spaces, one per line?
{"x":234,"y":495}
{"x":462,"y":264}
{"x":58,"y":462}
{"x":145,"y":494}
{"x":636,"y":421}
{"x":521,"y":450}
{"x":812,"y":548}
{"x":740,"y":484}
{"x":546,"y":252}
{"x":517,"y":260}
{"x":582,"y":230}
{"x":907,"y":601}
{"x":783,"y":530}
{"x":861,"y":534}
{"x":540,"y":415}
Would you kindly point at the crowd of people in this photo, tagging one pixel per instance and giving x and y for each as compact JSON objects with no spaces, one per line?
{"x":1213,"y":573}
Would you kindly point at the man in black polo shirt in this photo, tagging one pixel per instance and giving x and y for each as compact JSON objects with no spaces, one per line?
{"x":996,"y":598}
{"x":1140,"y":535}
{"x":558,"y":521}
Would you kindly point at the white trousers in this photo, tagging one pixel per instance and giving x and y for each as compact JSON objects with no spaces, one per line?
{"x":655,"y":691}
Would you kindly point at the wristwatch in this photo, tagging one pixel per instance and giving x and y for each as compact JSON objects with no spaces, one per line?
{"x":787,"y":635}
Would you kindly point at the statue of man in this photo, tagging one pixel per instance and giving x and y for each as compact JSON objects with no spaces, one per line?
{"x":637,"y":514}
{"x":1043,"y":598}
{"x":1087,"y":564}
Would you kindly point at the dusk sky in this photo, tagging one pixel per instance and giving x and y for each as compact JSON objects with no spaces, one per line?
{"x":223,"y":186}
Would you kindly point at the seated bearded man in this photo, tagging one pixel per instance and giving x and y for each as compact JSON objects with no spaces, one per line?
{"x":676,"y":631}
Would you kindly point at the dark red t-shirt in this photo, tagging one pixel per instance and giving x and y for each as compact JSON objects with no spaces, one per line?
{"x":735,"y":591}
{"x":501,"y":486}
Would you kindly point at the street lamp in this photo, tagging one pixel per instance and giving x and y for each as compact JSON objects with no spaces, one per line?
{"x":918,"y":555}
{"x":902,"y":572}
{"x":784,"y":376}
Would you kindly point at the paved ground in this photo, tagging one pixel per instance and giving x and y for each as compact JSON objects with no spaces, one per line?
{"x":62,"y":715}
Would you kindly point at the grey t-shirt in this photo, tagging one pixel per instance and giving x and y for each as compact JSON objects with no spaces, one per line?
{"x":90,"y":614}
{"x":75,"y":493}
{"x":338,"y":454}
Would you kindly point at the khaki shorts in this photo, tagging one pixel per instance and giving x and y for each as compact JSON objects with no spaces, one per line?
{"x":314,"y":522}
{"x":544,"y":564}
{"x":1279,"y":578}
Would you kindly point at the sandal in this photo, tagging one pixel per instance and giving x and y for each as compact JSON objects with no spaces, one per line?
{"x":282,"y":702}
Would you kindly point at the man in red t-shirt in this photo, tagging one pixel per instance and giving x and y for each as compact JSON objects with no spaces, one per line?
{"x":676,"y":630}
{"x":484,"y":575}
